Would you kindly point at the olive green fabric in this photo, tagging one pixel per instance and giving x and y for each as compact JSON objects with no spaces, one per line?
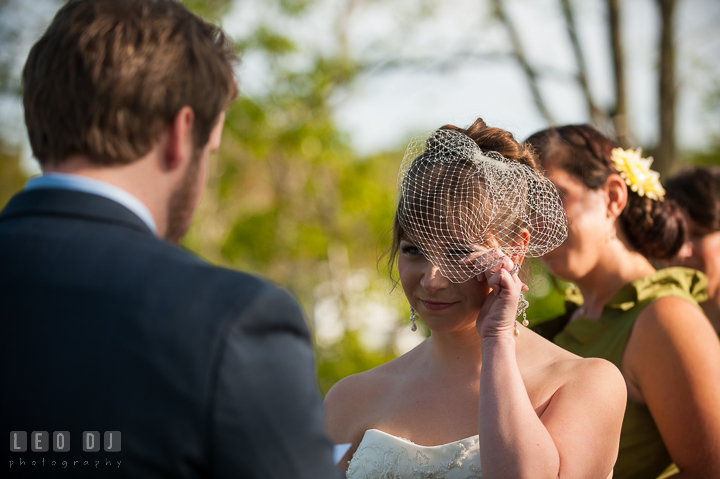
{"x":642,"y":452}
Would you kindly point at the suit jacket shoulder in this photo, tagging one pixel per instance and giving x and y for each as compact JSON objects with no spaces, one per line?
{"x":107,"y":328}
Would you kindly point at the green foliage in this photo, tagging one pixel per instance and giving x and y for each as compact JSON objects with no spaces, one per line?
{"x":211,"y":10}
{"x":294,"y":7}
{"x":265,"y":39}
{"x":12,"y":178}
{"x":344,"y":358}
{"x":707,"y":157}
{"x":546,"y":295}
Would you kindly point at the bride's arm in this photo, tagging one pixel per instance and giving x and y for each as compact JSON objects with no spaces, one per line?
{"x":513,"y":440}
{"x":579,"y":429}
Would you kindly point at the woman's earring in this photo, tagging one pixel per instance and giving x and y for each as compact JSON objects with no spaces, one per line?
{"x":413,"y":318}
{"x":522,"y":306}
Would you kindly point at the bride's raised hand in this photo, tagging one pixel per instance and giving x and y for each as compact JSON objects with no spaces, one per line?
{"x":499,"y":311}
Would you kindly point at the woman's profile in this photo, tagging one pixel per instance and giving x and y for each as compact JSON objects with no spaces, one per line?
{"x":645,"y":321}
{"x":482,"y":396}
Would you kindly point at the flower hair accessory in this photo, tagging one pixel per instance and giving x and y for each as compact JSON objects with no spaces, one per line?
{"x":636,"y":172}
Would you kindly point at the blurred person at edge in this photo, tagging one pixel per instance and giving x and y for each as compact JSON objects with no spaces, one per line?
{"x":697,"y":191}
{"x":107,"y":325}
{"x":646,"y":321}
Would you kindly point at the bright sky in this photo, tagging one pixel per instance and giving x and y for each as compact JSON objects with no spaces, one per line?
{"x":381,"y":110}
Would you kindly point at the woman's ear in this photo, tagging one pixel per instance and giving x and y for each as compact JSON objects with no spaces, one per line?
{"x":521,"y":243}
{"x":616,"y":193}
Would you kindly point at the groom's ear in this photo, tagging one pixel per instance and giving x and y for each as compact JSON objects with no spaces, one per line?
{"x":179,"y":140}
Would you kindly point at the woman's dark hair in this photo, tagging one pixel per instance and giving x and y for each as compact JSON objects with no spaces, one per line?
{"x":488,"y":139}
{"x":656,"y":229}
{"x":697,"y":191}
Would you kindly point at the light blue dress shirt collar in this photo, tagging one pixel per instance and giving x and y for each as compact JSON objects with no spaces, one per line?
{"x":65,"y":181}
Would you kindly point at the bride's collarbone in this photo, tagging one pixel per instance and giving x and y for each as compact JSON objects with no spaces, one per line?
{"x":449,"y":412}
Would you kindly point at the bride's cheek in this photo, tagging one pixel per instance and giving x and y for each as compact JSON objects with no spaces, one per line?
{"x":483,"y":293}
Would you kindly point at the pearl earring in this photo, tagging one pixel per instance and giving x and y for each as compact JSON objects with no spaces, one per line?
{"x":522,"y":306}
{"x":413,"y":318}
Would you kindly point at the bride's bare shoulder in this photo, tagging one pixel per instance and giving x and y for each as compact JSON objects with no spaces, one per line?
{"x":577,"y":377}
{"x":353,"y":401}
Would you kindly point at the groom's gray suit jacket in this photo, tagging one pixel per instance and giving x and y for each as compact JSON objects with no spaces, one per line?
{"x":204,"y":371}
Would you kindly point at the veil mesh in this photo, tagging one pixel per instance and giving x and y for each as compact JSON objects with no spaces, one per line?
{"x":459,"y":205}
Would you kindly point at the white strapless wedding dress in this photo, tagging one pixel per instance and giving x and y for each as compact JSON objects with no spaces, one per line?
{"x":383,"y":456}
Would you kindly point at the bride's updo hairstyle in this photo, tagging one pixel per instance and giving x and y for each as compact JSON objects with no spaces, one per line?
{"x":654,"y":228}
{"x":464,"y":192}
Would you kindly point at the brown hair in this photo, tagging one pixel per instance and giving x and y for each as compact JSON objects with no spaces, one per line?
{"x":488,"y":139}
{"x":108,"y":76}
{"x":656,"y":229}
{"x":697,"y":191}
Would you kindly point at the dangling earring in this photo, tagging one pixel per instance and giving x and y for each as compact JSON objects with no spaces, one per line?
{"x":522,"y":306}
{"x":413,"y":318}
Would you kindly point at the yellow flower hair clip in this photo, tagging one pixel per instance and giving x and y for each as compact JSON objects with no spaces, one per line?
{"x":636,"y":172}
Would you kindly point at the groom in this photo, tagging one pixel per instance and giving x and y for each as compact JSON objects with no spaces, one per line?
{"x":121,"y":354}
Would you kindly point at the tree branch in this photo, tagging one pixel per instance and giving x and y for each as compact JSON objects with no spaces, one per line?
{"x":619,"y":114}
{"x":449,"y":62}
{"x":519,"y":53}
{"x":666,"y":149}
{"x":594,"y":113}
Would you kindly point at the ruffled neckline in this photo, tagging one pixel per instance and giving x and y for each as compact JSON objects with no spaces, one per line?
{"x":684,"y":282}
{"x":407,"y":441}
{"x":384,"y":455}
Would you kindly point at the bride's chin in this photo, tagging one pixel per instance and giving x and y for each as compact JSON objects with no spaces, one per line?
{"x":449,"y":324}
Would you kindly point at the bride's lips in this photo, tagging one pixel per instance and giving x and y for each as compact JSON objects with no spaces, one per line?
{"x":435,"y":306}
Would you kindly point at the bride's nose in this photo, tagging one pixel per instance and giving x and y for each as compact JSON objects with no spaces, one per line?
{"x":432,"y":280}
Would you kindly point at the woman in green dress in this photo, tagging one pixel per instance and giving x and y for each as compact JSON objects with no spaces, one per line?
{"x":646,"y":321}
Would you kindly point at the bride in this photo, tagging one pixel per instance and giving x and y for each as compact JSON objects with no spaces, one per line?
{"x":471,"y":208}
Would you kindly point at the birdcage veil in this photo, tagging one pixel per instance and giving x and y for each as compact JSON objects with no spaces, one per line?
{"x":461,"y":205}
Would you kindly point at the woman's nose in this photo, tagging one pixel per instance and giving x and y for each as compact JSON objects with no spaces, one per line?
{"x":432,"y":279}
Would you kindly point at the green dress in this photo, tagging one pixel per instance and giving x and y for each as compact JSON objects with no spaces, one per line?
{"x":642,"y":452}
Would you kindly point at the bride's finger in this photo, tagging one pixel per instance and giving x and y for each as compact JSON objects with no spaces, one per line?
{"x":501,"y":280}
{"x":482,"y":258}
{"x":498,"y":263}
{"x":503,"y":263}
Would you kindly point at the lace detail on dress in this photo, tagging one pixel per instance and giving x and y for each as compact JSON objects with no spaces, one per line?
{"x":388,"y":457}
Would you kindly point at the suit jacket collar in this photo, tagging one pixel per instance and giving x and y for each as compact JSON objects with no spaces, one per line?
{"x":69,"y":203}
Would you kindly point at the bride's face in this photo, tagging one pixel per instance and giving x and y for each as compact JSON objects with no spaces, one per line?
{"x":444,"y":306}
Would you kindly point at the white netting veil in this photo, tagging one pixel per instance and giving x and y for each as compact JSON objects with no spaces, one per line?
{"x":459,"y":204}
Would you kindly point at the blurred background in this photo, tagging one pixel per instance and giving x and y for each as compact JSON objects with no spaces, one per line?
{"x":303,"y":188}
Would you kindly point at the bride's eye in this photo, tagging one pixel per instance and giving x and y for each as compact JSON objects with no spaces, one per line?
{"x":458,"y":253}
{"x":410,"y":250}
